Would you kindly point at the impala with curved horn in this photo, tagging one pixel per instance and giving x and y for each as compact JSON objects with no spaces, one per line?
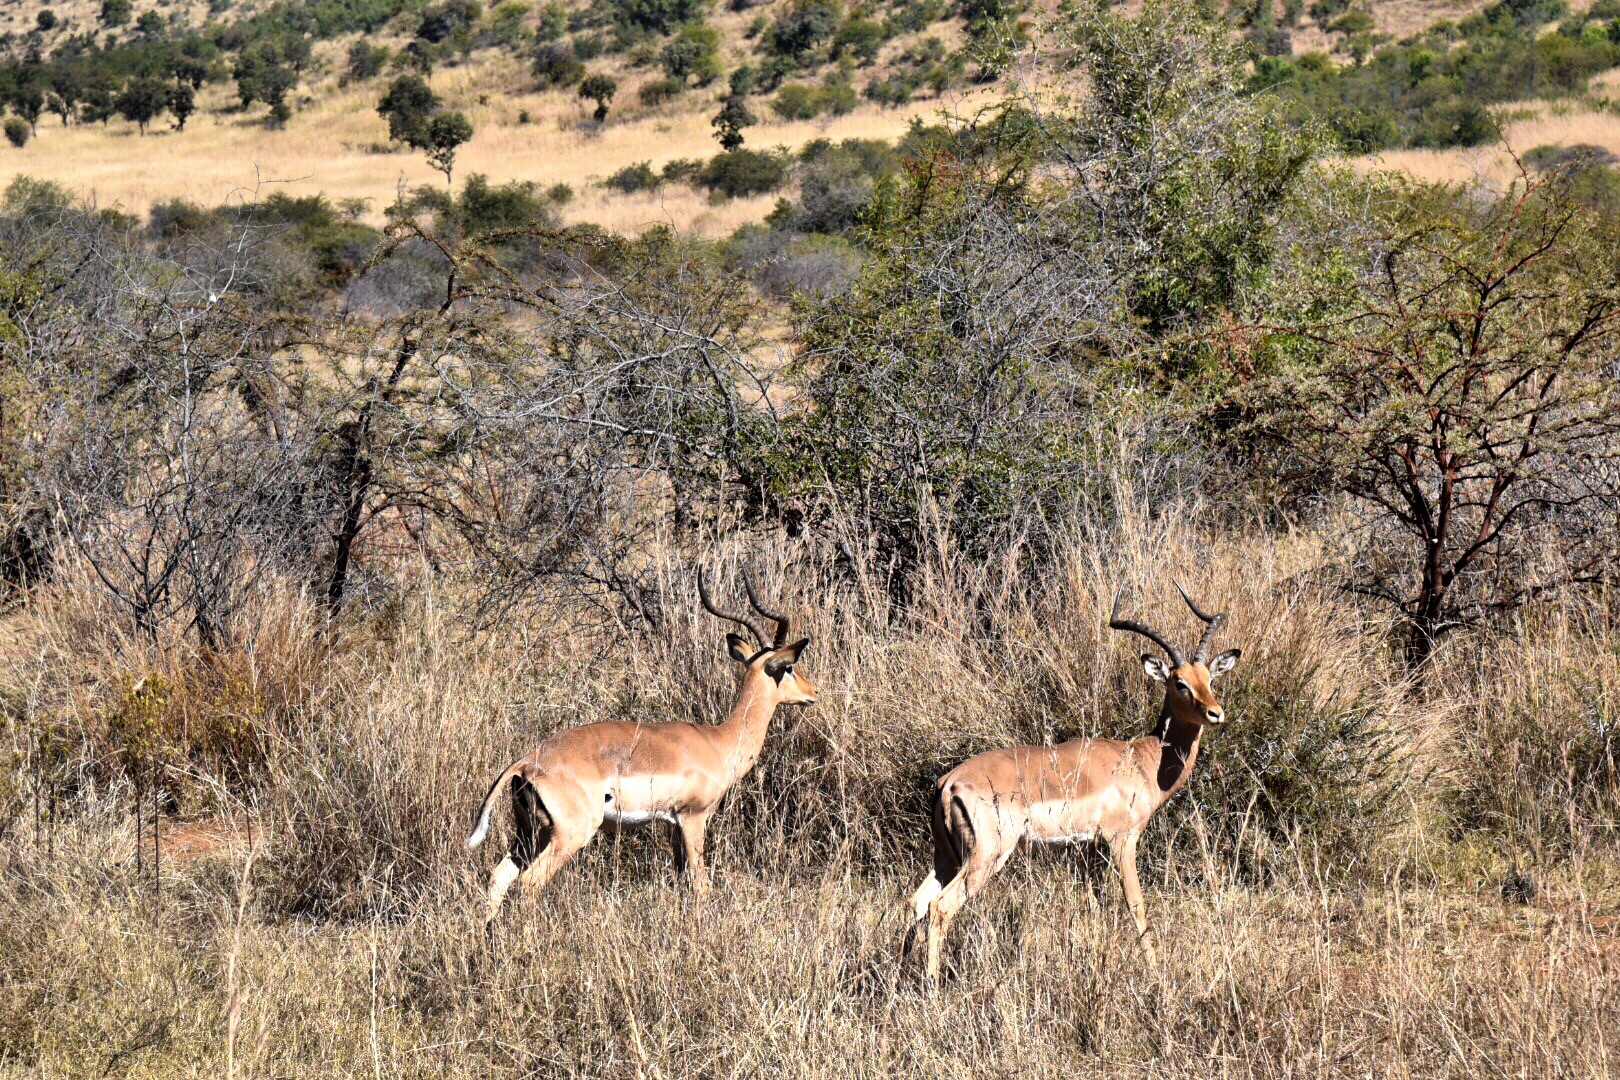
{"x":1085,"y":789}
{"x":632,"y":773}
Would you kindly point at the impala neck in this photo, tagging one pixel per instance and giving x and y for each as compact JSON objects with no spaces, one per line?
{"x":1178,"y":750}
{"x":750,"y":718}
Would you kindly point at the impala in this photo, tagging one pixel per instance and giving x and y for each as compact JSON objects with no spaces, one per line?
{"x":632,"y":773}
{"x":1081,"y":790}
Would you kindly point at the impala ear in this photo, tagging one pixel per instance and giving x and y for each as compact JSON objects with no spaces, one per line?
{"x":738,"y":648}
{"x":1157,"y":667}
{"x":1224,"y":662}
{"x":785,"y":657}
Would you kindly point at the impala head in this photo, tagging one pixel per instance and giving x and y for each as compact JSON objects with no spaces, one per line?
{"x":1188,"y":695}
{"x":774,"y":660}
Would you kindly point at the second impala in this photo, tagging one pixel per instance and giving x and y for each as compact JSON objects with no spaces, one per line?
{"x":1084,"y":789}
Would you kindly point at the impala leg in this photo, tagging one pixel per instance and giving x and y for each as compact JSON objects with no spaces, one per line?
{"x":692,"y":828}
{"x":941,"y":910}
{"x":531,"y":835}
{"x":920,"y":900}
{"x":975,"y":875}
{"x":500,"y":881}
{"x":563,"y":846}
{"x":1125,"y":859}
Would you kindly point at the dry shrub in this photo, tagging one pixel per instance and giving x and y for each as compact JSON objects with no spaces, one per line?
{"x":373,"y":781}
{"x":1539,"y":725}
{"x":1294,"y":939}
{"x":101,"y":702}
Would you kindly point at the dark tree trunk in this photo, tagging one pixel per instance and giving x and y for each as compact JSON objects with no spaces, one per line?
{"x":355,"y":472}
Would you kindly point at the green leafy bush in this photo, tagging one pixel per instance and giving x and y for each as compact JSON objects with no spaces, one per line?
{"x":658,"y":91}
{"x":634,"y":178}
{"x":555,"y":65}
{"x":741,"y":172}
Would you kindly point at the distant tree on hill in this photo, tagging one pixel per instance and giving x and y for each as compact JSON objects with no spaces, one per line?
{"x":150,"y":24}
{"x":99,"y":101}
{"x":264,"y":74}
{"x":45,"y":20}
{"x":694,"y":54}
{"x":802,"y":26}
{"x":408,"y":106}
{"x":862,"y":37}
{"x":297,"y":51}
{"x":732,"y":118}
{"x":445,"y":132}
{"x":27,"y":96}
{"x":506,"y":22}
{"x":365,"y":61}
{"x":556,"y":65}
{"x":182,"y":103}
{"x":141,"y":101}
{"x":116,"y":12}
{"x":658,"y":16}
{"x":188,"y":68}
{"x":275,"y":84}
{"x":553,"y":22}
{"x":600,"y":89}
{"x":63,"y":100}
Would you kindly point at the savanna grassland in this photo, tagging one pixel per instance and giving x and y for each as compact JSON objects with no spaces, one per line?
{"x":316,"y":513}
{"x":867,"y":73}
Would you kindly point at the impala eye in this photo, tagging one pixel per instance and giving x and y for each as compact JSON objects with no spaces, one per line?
{"x":1182,"y":687}
{"x":788,"y":670}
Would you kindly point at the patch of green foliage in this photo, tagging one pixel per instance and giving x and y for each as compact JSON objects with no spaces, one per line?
{"x":1434,"y":90}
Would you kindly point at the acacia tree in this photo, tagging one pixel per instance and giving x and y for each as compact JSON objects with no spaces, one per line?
{"x":446,"y":132}
{"x":550,"y":442}
{"x":142,"y":100}
{"x":408,"y":106}
{"x":730,"y":120}
{"x":182,"y":103}
{"x":1462,"y":394}
{"x":600,"y":89}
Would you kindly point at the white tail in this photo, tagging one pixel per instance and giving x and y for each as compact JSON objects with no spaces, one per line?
{"x":482,"y":828}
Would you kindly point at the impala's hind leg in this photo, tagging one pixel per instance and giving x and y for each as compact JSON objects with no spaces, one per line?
{"x":946,"y":866}
{"x":574,"y":815}
{"x":920,"y":900}
{"x":532,"y":836}
{"x":984,"y":853}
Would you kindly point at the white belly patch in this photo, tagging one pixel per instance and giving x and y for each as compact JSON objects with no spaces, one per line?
{"x":1072,"y":838}
{"x":612,"y":815}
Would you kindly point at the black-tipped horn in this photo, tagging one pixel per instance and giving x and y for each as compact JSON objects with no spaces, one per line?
{"x":783,"y":624}
{"x":1211,"y":623}
{"x":1117,"y":623}
{"x":708,"y":603}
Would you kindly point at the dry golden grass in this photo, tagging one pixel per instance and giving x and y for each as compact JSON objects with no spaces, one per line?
{"x":1529,"y":124}
{"x":350,"y":944}
{"x":793,"y":973}
{"x":331,"y":145}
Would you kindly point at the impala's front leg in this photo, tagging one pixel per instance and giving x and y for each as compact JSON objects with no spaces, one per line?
{"x":1125,"y":859}
{"x":691,"y":827}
